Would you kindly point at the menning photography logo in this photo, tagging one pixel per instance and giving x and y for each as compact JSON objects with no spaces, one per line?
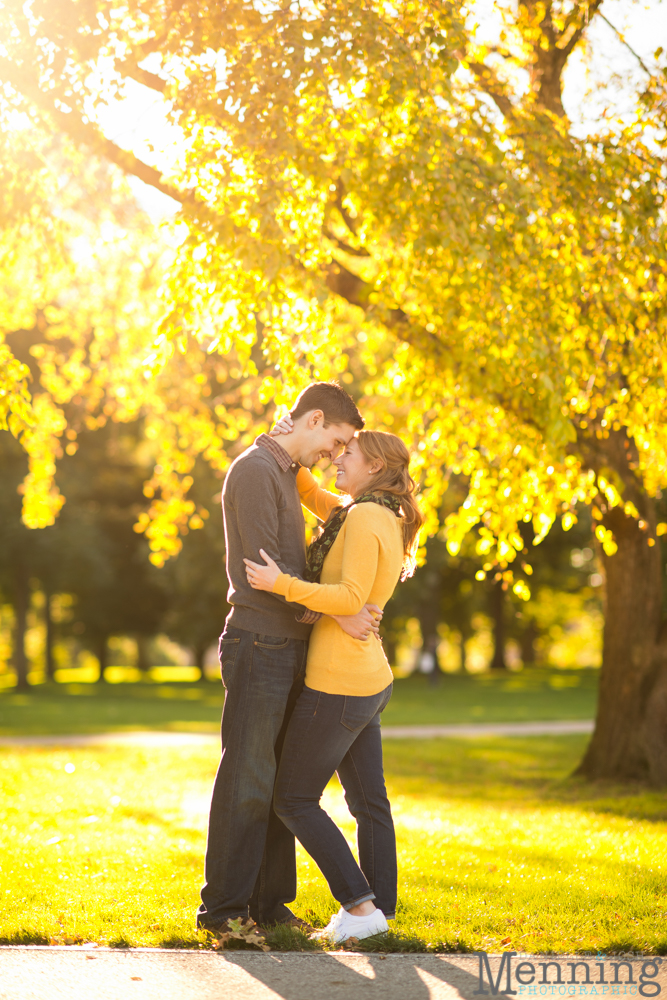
{"x":591,"y":977}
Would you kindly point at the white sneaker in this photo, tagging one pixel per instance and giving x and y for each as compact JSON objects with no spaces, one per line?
{"x":344,"y":925}
{"x":324,"y":932}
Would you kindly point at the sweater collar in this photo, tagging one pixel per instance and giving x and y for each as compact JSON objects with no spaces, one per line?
{"x":282,"y":457}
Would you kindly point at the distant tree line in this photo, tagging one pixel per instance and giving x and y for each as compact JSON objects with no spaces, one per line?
{"x":455,"y":590}
{"x":94,"y":553}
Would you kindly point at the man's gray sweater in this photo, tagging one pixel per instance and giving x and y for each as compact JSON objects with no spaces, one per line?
{"x":262,"y":510}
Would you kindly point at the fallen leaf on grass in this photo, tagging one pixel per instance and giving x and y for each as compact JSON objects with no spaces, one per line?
{"x":506,"y":940}
{"x":137,"y":979}
{"x":241,"y":930}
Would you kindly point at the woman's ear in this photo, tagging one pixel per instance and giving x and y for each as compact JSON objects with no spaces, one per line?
{"x":376,"y":467}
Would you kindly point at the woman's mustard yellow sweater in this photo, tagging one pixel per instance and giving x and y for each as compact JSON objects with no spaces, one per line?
{"x":363,"y":566}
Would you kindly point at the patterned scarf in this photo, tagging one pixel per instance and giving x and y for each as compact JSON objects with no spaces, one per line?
{"x":319,"y":549}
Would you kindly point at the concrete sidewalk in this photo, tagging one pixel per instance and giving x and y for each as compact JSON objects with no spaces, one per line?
{"x":150,"y":738}
{"x":110,"y":974}
{"x":34,"y":973}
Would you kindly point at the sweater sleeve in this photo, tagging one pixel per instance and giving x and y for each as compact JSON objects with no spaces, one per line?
{"x":320,"y":502}
{"x":365,"y":528}
{"x":255,"y":494}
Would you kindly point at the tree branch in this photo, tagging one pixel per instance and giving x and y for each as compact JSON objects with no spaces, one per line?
{"x":592,"y":10}
{"x":85,"y":132}
{"x":345,"y":246}
{"x":130,"y":67}
{"x":627,"y":44}
{"x":338,"y":202}
{"x":491,"y":85}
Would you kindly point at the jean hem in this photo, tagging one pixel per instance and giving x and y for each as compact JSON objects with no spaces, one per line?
{"x":366,"y":898}
{"x":206,"y":922}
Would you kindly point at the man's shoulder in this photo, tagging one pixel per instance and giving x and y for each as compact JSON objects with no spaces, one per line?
{"x":254,"y":462}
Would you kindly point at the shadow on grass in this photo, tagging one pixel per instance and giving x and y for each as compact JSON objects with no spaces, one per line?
{"x":25,"y":936}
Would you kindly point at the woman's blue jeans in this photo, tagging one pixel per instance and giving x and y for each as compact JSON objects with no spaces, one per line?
{"x":330,"y":733}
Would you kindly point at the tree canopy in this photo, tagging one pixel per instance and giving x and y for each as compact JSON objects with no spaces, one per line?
{"x":366,"y":184}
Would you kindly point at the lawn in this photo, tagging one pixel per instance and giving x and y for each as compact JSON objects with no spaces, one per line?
{"x":498,"y":848}
{"x":87,"y":708}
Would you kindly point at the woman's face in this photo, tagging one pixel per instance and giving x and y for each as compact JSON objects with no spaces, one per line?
{"x":355,"y":472}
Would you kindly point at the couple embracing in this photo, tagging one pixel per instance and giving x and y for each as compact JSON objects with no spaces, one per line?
{"x":305,"y":673}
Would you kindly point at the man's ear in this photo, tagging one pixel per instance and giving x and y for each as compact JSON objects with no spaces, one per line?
{"x":315,"y":418}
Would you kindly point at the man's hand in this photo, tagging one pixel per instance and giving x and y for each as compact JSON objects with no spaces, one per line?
{"x":361,"y":625}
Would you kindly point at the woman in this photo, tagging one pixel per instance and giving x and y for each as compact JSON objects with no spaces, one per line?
{"x":363,"y":550}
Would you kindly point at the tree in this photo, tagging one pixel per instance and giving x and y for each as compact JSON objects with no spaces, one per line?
{"x":119,"y":592}
{"x":196,"y":581}
{"x":345,"y":189}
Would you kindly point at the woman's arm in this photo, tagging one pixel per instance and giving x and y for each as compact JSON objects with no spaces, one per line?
{"x":320,"y":502}
{"x":364,"y":528}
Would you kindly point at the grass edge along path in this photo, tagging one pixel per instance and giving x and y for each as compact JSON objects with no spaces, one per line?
{"x":529,"y":696}
{"x":498,"y":850}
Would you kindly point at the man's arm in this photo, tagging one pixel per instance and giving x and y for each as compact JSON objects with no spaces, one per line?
{"x":254,"y":495}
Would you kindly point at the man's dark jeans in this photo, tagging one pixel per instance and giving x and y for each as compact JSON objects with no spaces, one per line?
{"x":250,"y":854}
{"x":334,"y":732}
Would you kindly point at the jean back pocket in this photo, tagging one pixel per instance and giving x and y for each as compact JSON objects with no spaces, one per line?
{"x":359,"y":710}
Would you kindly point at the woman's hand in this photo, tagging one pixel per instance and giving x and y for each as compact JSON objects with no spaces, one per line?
{"x":262,"y":577}
{"x":284,"y":426}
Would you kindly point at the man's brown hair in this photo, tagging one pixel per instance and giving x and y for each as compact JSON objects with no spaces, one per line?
{"x":336,"y":405}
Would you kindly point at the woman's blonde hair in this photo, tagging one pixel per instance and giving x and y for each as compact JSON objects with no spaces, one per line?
{"x":394,"y":477}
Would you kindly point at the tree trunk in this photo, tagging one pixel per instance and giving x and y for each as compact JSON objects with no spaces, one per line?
{"x":498,"y":615}
{"x":102,"y":650}
{"x":630,"y":737}
{"x":528,"y":638}
{"x":200,"y":653}
{"x":50,"y":637}
{"x":143,"y":659}
{"x":462,"y":646}
{"x":21,"y":604}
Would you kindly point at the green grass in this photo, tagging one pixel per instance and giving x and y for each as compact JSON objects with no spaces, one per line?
{"x":89,"y":708}
{"x":498,"y":848}
{"x":531,"y":695}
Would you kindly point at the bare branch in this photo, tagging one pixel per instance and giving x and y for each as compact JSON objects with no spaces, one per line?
{"x":627,"y":44}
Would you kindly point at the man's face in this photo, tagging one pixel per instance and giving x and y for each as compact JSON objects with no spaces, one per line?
{"x":324,"y":442}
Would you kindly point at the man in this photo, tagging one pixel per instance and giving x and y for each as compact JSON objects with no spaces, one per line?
{"x":250,"y":854}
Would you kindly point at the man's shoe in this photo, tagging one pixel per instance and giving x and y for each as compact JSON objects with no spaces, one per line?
{"x":344,"y":926}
